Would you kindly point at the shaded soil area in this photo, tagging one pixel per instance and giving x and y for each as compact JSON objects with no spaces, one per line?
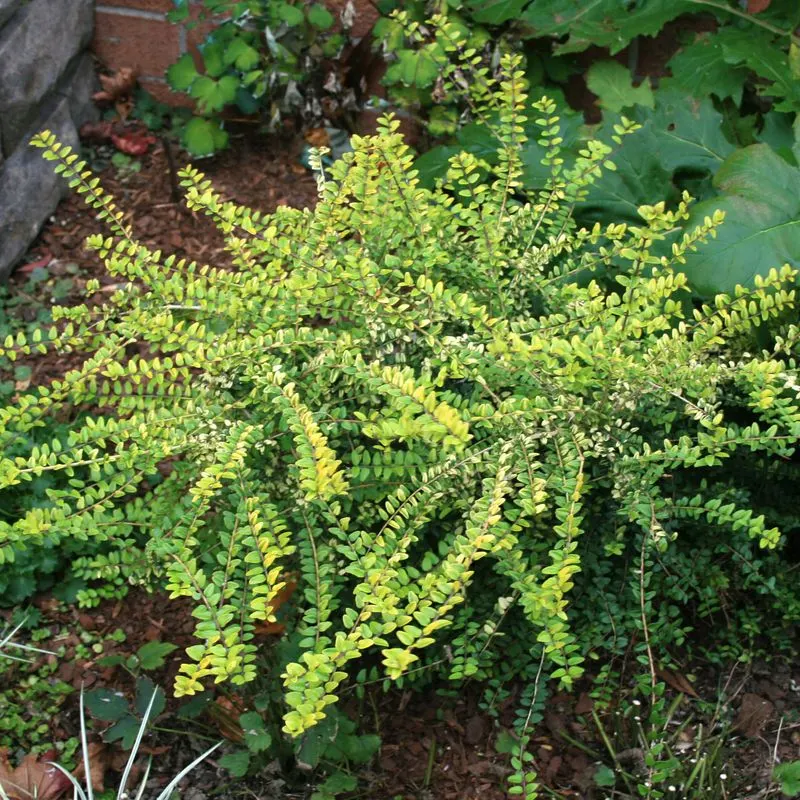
{"x":439,"y":744}
{"x":255,"y":172}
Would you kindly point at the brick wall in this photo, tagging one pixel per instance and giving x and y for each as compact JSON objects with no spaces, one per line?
{"x":136,"y":34}
{"x":46,"y":82}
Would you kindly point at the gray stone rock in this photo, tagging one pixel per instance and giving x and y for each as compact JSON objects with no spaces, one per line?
{"x":78,"y":85}
{"x":7,"y":8}
{"x":37,"y":46}
{"x":30,"y":190}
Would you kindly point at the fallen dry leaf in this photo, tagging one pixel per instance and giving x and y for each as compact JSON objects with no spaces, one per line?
{"x":317,"y":137}
{"x":33,"y":777}
{"x":98,"y":763}
{"x":130,"y":138}
{"x":134,"y":143}
{"x":124,"y":107}
{"x":475,"y":730}
{"x":584,"y":705}
{"x":276,"y":628}
{"x":754,"y":713}
{"x":225,"y":714}
{"x":116,"y":86}
{"x":677,"y":681}
{"x":97,"y":131}
{"x":32,"y":265}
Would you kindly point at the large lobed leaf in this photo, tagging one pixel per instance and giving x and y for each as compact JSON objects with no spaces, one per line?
{"x":604,"y":23}
{"x":760,"y":195}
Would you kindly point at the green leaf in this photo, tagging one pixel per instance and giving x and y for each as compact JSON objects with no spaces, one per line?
{"x":433,"y":164}
{"x":505,"y":743}
{"x":193,"y":707}
{"x":682,"y":134}
{"x":639,"y":179}
{"x":612,"y":84}
{"x":152,"y":655}
{"x":245,"y":101}
{"x":604,"y":776}
{"x":788,"y":775}
{"x":214,"y":59}
{"x":413,"y":68}
{"x":320,"y":17}
{"x":145,"y":689}
{"x":237,"y":763}
{"x":768,"y":60}
{"x":605,"y":23}
{"x":313,"y":745}
{"x":703,"y":68}
{"x":688,"y":131}
{"x":778,"y":132}
{"x":110,"y":661}
{"x":478,"y":140}
{"x":182,"y":74}
{"x":291,"y":15}
{"x":203,"y":137}
{"x":495,"y":12}
{"x":794,"y":61}
{"x":357,"y":749}
{"x":241,"y":55}
{"x":255,"y":736}
{"x":760,"y":195}
{"x":123,"y":731}
{"x":214,"y":95}
{"x":105,"y":704}
{"x":334,"y":784}
{"x":180,"y":12}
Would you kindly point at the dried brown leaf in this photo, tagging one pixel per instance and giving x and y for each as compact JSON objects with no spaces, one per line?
{"x":677,"y":681}
{"x":32,"y":777}
{"x":754,"y":713}
{"x":117,"y":86}
{"x":98,"y":763}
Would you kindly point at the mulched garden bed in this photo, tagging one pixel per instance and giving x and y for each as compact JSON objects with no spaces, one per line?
{"x":433,"y":747}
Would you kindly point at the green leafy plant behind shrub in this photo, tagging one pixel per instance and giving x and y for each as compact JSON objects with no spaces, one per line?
{"x":728,"y":91}
{"x":453,"y":416}
{"x":261,"y":56}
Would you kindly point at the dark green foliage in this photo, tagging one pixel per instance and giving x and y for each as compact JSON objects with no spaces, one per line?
{"x":263,"y":56}
{"x":125,"y":719}
{"x":30,"y":690}
{"x":729,"y":89}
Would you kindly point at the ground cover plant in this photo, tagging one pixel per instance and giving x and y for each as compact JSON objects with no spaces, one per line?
{"x":485,"y":443}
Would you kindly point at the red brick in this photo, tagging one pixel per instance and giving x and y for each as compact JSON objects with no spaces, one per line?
{"x":366,"y":15}
{"x":161,"y":91}
{"x":140,"y":5}
{"x":199,"y":31}
{"x":149,"y":46}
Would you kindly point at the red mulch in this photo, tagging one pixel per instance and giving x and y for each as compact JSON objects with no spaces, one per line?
{"x":255,"y":172}
{"x":450,"y":733}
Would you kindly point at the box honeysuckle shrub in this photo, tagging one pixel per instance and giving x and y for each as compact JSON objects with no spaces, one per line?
{"x":444,"y":413}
